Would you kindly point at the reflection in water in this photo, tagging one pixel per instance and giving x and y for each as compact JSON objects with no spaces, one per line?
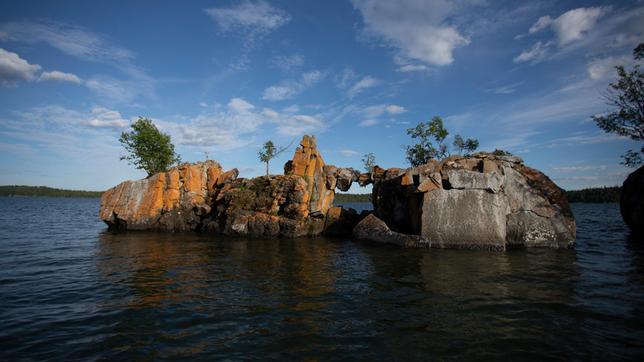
{"x":71,"y":291}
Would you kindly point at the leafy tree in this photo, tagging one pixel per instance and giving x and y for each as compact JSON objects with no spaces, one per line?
{"x":468,"y":145}
{"x":269,"y":151}
{"x":148,"y":148}
{"x":627,"y":94}
{"x":369,"y":161}
{"x":425,"y":150}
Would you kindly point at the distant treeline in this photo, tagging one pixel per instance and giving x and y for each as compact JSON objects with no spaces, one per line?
{"x":45,"y":191}
{"x":352,"y":198}
{"x":597,"y":194}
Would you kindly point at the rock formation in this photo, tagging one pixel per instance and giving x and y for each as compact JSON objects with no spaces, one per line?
{"x":200,"y":196}
{"x":631,"y":202}
{"x":480,"y":201}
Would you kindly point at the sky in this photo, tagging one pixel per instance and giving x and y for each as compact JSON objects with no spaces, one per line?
{"x":223,"y":77}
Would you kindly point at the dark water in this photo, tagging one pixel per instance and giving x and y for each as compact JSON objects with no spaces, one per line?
{"x":70,"y":291}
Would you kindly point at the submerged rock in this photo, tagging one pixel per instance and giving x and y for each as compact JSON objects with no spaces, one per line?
{"x":631,"y":202}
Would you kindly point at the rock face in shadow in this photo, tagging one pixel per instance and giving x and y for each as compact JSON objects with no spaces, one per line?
{"x":201,"y":196}
{"x":375,"y":230}
{"x":480,"y":201}
{"x":631,"y":202}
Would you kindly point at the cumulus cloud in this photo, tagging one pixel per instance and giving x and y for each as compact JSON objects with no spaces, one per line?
{"x":418,"y":30}
{"x":248,"y":16}
{"x":13,"y":68}
{"x":289,"y":89}
{"x":238,"y":124}
{"x":569,"y":27}
{"x":395,"y":109}
{"x":58,"y":76}
{"x":364,"y":83}
{"x":102,"y":117}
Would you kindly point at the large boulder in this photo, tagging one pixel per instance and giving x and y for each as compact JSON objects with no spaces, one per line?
{"x":631,"y":202}
{"x":479,"y":201}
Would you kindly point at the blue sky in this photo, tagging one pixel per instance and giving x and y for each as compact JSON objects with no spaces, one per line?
{"x":223,"y":77}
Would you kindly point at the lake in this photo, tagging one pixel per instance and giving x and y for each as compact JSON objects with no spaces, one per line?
{"x":69,"y":290}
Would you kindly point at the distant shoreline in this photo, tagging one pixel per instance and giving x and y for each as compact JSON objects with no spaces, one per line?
{"x":589,"y":195}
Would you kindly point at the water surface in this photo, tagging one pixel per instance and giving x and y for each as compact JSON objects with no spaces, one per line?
{"x":70,"y":290}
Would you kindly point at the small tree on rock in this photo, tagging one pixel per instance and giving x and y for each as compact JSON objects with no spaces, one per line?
{"x":148,"y":148}
{"x":468,"y":146}
{"x":268,"y":152}
{"x":369,"y":161}
{"x":425,"y":149}
{"x":627,"y":94}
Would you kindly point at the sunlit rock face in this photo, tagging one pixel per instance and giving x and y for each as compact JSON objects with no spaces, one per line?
{"x":479,"y":201}
{"x":201,"y":196}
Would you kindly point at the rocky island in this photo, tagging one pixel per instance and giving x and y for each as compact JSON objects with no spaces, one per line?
{"x":479,"y":201}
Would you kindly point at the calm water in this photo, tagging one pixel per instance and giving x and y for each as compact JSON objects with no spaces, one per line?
{"x":69,"y":291}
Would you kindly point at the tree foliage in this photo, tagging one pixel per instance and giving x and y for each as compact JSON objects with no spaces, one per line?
{"x":431,"y":142}
{"x":627,"y":95}
{"x":465,"y":146}
{"x":148,"y":148}
{"x":369,"y":161}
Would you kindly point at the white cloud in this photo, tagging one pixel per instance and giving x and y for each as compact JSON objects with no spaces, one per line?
{"x":368,"y":122}
{"x":269,"y":113}
{"x":13,"y":68}
{"x":289,"y":89}
{"x":604,"y":68}
{"x":412,"y":68}
{"x":534,"y":54}
{"x":240,"y":106}
{"x":542,"y":23}
{"x":569,"y":26}
{"x":364,"y":83}
{"x":119,"y":90}
{"x":349,"y":153}
{"x":105,"y":118}
{"x":288,"y":62}
{"x":348,"y":75}
{"x":299,"y":124}
{"x":69,"y":39}
{"x":248,"y":16}
{"x":58,"y":76}
{"x":418,"y":29}
{"x":580,"y":168}
{"x":395,"y":109}
{"x":572,"y":24}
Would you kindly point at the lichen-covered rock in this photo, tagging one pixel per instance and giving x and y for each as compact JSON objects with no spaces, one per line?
{"x":165,"y":201}
{"x":631,"y":201}
{"x":201,"y":196}
{"x":483,"y":200}
{"x":373,"y":229}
